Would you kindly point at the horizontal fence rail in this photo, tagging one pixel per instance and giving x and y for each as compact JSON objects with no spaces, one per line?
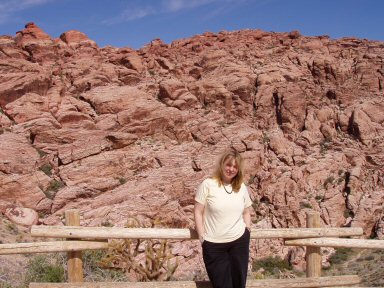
{"x":330,"y":281}
{"x":53,"y":246}
{"x":92,"y":238}
{"x":104,"y":233}
{"x":180,"y":234}
{"x":337,"y":242}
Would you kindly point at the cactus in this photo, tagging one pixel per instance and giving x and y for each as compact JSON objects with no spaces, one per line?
{"x":148,"y":260}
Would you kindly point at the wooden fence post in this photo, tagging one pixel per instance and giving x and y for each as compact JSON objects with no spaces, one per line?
{"x":313,"y":256}
{"x":75,"y":262}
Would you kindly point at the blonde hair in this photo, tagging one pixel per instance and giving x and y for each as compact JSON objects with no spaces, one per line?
{"x":238,"y":179}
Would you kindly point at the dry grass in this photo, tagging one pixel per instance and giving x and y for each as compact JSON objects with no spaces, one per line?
{"x":367,"y":263}
{"x":12,"y":266}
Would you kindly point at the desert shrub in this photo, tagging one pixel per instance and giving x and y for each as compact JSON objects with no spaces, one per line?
{"x":94,"y":271}
{"x":265,"y":139}
{"x":329,"y":180}
{"x":41,"y":152}
{"x":53,"y":187}
{"x":45,"y":269}
{"x":341,"y":255}
{"x":106,"y":223}
{"x":148,"y":260}
{"x":271,"y":265}
{"x":122,"y":180}
{"x":369,"y":258}
{"x":324,"y":145}
{"x":11,"y":227}
{"x":47,"y":169}
{"x":348,"y":213}
{"x":251,"y":179}
{"x":305,"y":205}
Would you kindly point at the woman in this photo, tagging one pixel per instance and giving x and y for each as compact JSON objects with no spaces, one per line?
{"x":223,"y":221}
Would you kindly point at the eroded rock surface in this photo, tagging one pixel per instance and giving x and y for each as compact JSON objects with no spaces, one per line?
{"x":121,"y":132}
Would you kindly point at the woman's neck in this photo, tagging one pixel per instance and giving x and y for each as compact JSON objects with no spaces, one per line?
{"x":226,"y":182}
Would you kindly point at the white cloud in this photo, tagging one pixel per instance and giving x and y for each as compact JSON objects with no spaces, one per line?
{"x":134,"y":12}
{"x":9,"y":7}
{"x":131,"y":13}
{"x":33,"y":2}
{"x":177,"y":5}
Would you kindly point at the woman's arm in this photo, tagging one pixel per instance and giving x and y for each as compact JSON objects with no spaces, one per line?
{"x":247,"y":217}
{"x":199,"y":224}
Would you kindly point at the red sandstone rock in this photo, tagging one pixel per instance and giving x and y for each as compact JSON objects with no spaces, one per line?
{"x":16,"y":154}
{"x":38,"y":44}
{"x":122,"y":132}
{"x":19,"y":77}
{"x":74,"y":37}
{"x":174,"y":93}
{"x":32,"y":34}
{"x":22,"y":216}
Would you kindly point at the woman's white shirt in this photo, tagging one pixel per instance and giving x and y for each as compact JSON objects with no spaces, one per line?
{"x":223,"y":211}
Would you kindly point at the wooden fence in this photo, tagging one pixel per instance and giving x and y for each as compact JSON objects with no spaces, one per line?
{"x":313,"y":237}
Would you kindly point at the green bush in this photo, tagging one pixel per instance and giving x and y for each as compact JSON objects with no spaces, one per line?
{"x":348,"y":213}
{"x":329,"y":180}
{"x":53,"y":187}
{"x":271,"y":265}
{"x":122,"y":180}
{"x":305,"y":205}
{"x":341,"y":255}
{"x":265,"y":139}
{"x":47,"y":169}
{"x":45,"y":269}
{"x":369,"y":258}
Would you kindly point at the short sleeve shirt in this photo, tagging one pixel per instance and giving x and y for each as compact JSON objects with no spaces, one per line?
{"x":223,"y":211}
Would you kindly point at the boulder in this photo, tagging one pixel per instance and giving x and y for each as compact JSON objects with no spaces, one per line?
{"x":22,"y":216}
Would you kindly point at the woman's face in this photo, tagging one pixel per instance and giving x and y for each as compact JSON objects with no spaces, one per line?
{"x":230,"y":170}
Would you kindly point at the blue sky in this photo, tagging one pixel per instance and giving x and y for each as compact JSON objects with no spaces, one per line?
{"x":134,"y":23}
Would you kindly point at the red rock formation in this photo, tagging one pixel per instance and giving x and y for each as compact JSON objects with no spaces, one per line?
{"x":74,"y":36}
{"x":22,"y":216}
{"x":118,"y":132}
{"x":32,"y":35}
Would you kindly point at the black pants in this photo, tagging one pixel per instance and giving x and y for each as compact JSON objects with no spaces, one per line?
{"x":227,"y":263}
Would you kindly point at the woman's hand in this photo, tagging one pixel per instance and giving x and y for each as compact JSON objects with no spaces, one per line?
{"x":247,"y":217}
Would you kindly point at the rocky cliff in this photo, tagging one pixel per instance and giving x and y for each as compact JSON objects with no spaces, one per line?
{"x":117,"y":132}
